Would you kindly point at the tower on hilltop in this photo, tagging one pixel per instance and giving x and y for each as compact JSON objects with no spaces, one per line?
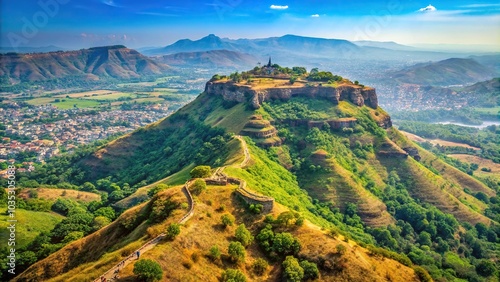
{"x":269,"y":63}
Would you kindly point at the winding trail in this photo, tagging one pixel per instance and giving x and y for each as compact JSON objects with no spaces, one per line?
{"x":112,"y":273}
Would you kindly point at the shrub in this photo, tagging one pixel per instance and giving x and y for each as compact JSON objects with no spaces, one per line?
{"x":292,"y":271}
{"x":227,"y":220}
{"x":260,"y":266}
{"x":256,"y":209}
{"x":243,"y":235}
{"x":236,"y":252}
{"x":233,"y":275}
{"x":486,"y":268}
{"x":198,"y":186}
{"x":310,"y":269}
{"x":341,"y":249}
{"x":284,"y":243}
{"x":422,"y":274}
{"x":214,"y":252}
{"x":156,"y":189}
{"x":148,"y":270}
{"x":200,"y":171}
{"x":173,"y":230}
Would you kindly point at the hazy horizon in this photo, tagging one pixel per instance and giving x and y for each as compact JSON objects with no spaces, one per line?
{"x":81,"y":24}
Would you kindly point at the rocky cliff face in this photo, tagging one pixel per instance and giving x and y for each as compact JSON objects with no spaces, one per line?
{"x":241,"y":93}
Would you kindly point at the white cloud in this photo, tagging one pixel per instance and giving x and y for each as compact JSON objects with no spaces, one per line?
{"x":429,"y":8}
{"x":279,"y":7}
{"x":315,"y":16}
{"x":111,"y":3}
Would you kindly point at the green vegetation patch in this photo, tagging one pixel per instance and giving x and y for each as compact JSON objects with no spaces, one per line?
{"x":29,"y":225}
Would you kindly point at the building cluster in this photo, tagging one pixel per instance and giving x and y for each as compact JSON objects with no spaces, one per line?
{"x":47,"y":131}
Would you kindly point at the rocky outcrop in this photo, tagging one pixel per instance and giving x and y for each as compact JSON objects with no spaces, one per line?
{"x":385,"y":122}
{"x":413,"y":152}
{"x":231,"y":91}
{"x":389,"y":149}
{"x":334,"y":123}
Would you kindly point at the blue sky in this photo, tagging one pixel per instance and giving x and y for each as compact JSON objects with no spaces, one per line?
{"x":85,"y":23}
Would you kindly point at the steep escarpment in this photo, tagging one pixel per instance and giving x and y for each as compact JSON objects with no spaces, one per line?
{"x":236,"y":92}
{"x":117,"y":62}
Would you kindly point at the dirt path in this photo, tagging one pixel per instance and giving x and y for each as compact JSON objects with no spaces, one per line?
{"x":111,"y":274}
{"x":245,"y":151}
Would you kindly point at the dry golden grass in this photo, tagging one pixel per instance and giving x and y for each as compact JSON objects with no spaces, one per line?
{"x":54,"y":194}
{"x":482,"y":162}
{"x":435,"y":142}
{"x":89,"y":257}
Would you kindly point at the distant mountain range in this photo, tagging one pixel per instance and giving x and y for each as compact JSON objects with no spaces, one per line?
{"x":267,"y":46}
{"x":116,"y":62}
{"x":454,"y":71}
{"x":210,"y":59}
{"x":387,"y":45}
{"x":307,"y":51}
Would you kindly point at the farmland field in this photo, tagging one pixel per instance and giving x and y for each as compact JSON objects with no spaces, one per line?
{"x":86,"y":93}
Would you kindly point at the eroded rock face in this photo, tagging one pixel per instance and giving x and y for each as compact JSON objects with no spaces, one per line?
{"x":241,"y":93}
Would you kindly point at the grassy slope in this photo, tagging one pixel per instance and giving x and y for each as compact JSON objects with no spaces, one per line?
{"x":29,"y":225}
{"x":439,"y":190}
{"x":54,"y":194}
{"x":205,"y":230}
{"x":94,"y":254}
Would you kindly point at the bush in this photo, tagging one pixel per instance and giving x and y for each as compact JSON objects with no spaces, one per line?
{"x":310,"y":269}
{"x":148,"y":270}
{"x":173,"y":230}
{"x":200,"y":171}
{"x":284,"y":243}
{"x":422,"y":274}
{"x":233,"y":275}
{"x":214,"y":253}
{"x":198,"y":186}
{"x":292,"y":271}
{"x":236,"y":252}
{"x":256,"y":209}
{"x":260,"y":266}
{"x":486,"y":268}
{"x":243,"y":235}
{"x":156,"y":189}
{"x":227,"y":220}
{"x":341,"y":249}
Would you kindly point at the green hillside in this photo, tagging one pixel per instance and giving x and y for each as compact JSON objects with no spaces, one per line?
{"x":334,"y":161}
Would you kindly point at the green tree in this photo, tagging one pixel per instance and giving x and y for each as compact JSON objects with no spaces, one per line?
{"x":108,"y":212}
{"x":310,"y":269}
{"x":214,"y":253}
{"x":285,"y":244}
{"x":87,"y":186}
{"x":292,"y":271}
{"x":156,"y":189}
{"x":148,"y":270}
{"x":236,"y":252}
{"x":198,"y":186}
{"x":173,"y":230}
{"x":233,"y":275}
{"x":200,"y":171}
{"x":285,"y":218}
{"x":227,"y":220}
{"x":259,"y":266}
{"x":99,"y":222}
{"x":243,"y":235}
{"x":486,"y":268}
